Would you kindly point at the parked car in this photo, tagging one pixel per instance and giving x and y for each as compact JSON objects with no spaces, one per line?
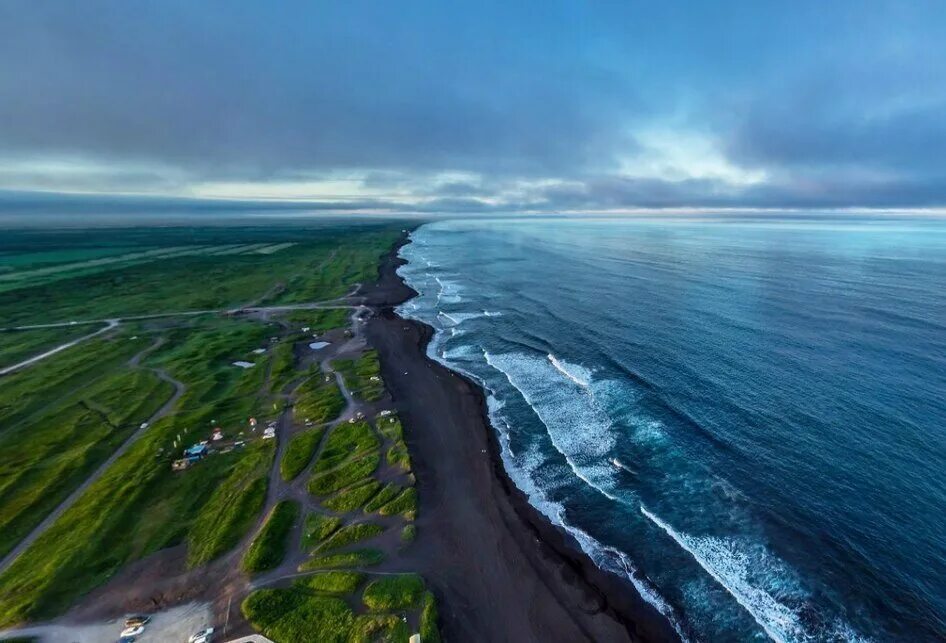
{"x":137,"y":619}
{"x":202,"y":636}
{"x":134,"y":630}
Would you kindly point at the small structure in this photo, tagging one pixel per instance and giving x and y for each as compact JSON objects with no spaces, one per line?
{"x":269,"y":433}
{"x":374,"y":378}
{"x":180,"y":465}
{"x":217,"y":434}
{"x":197,"y":451}
{"x":259,"y":351}
{"x":318,"y":345}
{"x":385,"y":413}
{"x":243,"y":364}
{"x":253,"y":422}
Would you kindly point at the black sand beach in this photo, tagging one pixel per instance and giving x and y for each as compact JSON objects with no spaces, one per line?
{"x":501,"y":571}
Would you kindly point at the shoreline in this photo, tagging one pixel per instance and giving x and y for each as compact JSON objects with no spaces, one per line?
{"x":533,"y":582}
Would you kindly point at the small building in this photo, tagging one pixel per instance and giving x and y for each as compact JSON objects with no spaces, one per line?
{"x":180,"y":465}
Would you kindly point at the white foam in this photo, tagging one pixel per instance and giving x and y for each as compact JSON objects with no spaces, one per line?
{"x":578,"y":374}
{"x":758,"y":581}
{"x":577,"y":427}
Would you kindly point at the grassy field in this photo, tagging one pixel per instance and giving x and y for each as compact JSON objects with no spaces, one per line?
{"x":139,"y":505}
{"x":318,"y":400}
{"x":62,"y":417}
{"x":269,"y":547}
{"x":18,"y":345}
{"x":316,"y":603}
{"x":324,"y":262}
{"x":44,"y":459}
{"x":362,"y":375}
{"x":299,"y":453}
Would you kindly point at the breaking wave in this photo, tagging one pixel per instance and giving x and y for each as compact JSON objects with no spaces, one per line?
{"x":763,"y":585}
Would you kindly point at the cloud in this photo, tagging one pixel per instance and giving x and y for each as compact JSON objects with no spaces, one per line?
{"x":428,"y":106}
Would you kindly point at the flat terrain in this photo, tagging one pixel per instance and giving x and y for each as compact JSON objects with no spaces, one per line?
{"x":184,"y":337}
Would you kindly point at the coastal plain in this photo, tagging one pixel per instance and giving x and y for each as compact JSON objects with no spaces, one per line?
{"x":233,"y":421}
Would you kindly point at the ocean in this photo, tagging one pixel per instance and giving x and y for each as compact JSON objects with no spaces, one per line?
{"x":745,"y":417}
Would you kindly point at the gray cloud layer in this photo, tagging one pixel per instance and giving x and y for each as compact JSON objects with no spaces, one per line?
{"x":538,"y":106}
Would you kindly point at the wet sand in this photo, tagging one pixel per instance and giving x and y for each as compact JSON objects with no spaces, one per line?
{"x":501,"y":570}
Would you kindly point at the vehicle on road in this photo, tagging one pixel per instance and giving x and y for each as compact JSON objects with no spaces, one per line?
{"x":202,"y":636}
{"x":134,"y":620}
{"x":133,"y":631}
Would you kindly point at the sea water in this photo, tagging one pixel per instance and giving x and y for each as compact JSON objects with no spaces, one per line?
{"x":746,"y":418}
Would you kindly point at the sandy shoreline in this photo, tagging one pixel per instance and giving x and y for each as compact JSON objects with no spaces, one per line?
{"x":501,"y":570}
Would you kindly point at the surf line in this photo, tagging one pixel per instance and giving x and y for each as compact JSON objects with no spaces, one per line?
{"x":785,"y":616}
{"x":561,"y":368}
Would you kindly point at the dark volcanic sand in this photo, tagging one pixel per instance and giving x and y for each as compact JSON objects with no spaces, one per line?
{"x":500,"y":570}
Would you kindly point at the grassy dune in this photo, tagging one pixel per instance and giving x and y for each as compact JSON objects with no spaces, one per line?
{"x":269,"y":547}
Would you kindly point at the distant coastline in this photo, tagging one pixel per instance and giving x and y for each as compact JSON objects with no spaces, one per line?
{"x":567,"y":587}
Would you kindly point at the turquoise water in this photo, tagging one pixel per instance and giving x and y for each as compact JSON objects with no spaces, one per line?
{"x":745,"y":418}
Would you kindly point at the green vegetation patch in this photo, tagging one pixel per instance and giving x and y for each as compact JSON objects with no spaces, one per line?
{"x":429,"y":632}
{"x":353,"y":497}
{"x":395,"y":592}
{"x":356,"y":558}
{"x":320,"y":320}
{"x":386,"y":495}
{"x":350,"y":534}
{"x":19,"y":345}
{"x":318,"y":400}
{"x":299,"y":452}
{"x":282,"y":368}
{"x":408,"y":534}
{"x":317,"y":528}
{"x":344,"y":475}
{"x":50,"y":454}
{"x":406,"y":503}
{"x":346,"y":441}
{"x":362,"y":375}
{"x":292,"y":616}
{"x":336,"y":582}
{"x":397,"y":454}
{"x":269,"y":547}
{"x":227,"y":517}
{"x":139,"y":505}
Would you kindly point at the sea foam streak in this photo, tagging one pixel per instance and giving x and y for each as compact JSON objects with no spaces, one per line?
{"x":578,"y":374}
{"x":563,"y":409}
{"x":522,"y":470}
{"x":757,"y":581}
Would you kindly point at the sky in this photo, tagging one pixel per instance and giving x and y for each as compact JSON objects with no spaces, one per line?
{"x":449,"y":107}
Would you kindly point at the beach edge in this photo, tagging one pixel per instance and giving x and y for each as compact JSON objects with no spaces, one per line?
{"x":598,"y":602}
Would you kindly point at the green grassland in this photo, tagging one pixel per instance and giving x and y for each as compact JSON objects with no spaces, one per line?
{"x":362,"y":375}
{"x":18,"y":345}
{"x":269,"y":547}
{"x":318,"y":400}
{"x":319,"y":320}
{"x":323,"y":263}
{"x":397,"y":454}
{"x":317,"y":528}
{"x":139,"y":505}
{"x":33,"y":389}
{"x":44,"y":459}
{"x":299,"y":452}
{"x":316,"y":605}
{"x":62,"y":417}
